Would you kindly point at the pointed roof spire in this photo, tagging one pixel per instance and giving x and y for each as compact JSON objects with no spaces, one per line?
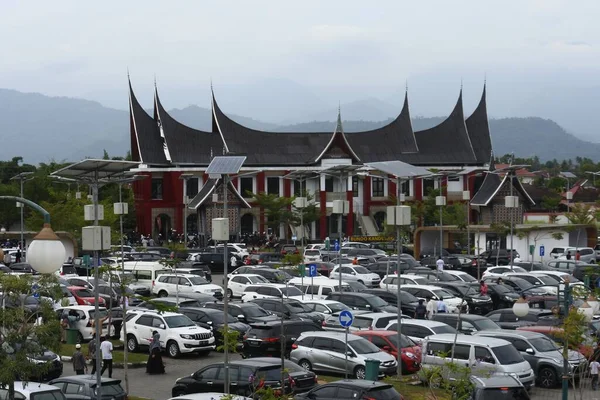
{"x":155,"y":81}
{"x":338,"y":126}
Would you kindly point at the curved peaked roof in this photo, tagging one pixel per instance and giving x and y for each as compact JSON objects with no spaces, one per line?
{"x":389,"y":141}
{"x":146,"y":143}
{"x":479,"y":130}
{"x":493,"y":182}
{"x":186,"y":145}
{"x":446,"y":143}
{"x":339,"y":139}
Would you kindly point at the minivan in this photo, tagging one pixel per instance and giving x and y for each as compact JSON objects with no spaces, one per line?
{"x":318,"y":288}
{"x":145,"y":272}
{"x":483,"y":355}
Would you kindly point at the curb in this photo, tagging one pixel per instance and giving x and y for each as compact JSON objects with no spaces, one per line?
{"x":115,"y":365}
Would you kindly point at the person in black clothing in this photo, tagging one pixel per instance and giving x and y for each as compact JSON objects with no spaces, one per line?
{"x":420,"y":310}
{"x":568,"y":255}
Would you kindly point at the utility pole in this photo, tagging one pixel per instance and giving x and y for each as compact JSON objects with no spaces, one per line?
{"x":22,"y":178}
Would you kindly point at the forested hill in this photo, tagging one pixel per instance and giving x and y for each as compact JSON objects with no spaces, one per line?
{"x":41,"y":128}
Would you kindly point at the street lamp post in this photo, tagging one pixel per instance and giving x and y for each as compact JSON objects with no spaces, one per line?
{"x":22,"y":178}
{"x":565,"y":289}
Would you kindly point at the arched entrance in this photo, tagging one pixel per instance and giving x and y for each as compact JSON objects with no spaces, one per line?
{"x":247,"y":224}
{"x":379,"y":218}
{"x":162,"y":226}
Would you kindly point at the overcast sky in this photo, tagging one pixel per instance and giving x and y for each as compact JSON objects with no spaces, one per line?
{"x":336,"y":50}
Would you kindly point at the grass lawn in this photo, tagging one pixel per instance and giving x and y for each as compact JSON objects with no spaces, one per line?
{"x":410,"y":392}
{"x":69,"y":349}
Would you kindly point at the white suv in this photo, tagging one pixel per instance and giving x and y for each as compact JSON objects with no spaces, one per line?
{"x":272,"y":290}
{"x":239,"y":282}
{"x":85,"y":320}
{"x":312,"y":255}
{"x":356,"y":273}
{"x":178,"y":333}
{"x":166,"y":285}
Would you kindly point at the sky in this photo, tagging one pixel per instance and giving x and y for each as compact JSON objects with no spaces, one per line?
{"x":320,"y":52}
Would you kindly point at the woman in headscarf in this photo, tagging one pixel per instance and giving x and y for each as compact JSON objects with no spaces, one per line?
{"x":155,"y":363}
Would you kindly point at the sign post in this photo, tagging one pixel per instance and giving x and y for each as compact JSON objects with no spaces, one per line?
{"x":542,"y":252}
{"x":312,"y":272}
{"x":302,"y":272}
{"x":346,"y":318}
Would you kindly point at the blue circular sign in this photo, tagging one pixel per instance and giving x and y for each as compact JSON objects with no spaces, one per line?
{"x":346,"y":318}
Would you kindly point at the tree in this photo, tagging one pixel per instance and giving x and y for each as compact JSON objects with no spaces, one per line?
{"x":277,"y":209}
{"x":25,"y":332}
{"x":581,"y":214}
{"x":539,"y":235}
{"x":502,"y":229}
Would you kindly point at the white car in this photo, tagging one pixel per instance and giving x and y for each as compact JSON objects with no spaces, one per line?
{"x":534,"y":279}
{"x":33,"y":391}
{"x":178,"y":333}
{"x":236,"y":249}
{"x":85,"y":315}
{"x":238,"y":283}
{"x":390,"y":282}
{"x":317,"y":246}
{"x":326,"y":307}
{"x":419,"y":329}
{"x":209,"y":396}
{"x":356,"y":245}
{"x":499,"y":271}
{"x":312,"y":255}
{"x":168,"y":284}
{"x":462,"y":275}
{"x":272,"y":290}
{"x":357,"y":273}
{"x":559,"y":277}
{"x":436,"y":293}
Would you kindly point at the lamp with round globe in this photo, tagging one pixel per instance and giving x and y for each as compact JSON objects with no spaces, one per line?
{"x":46,"y":253}
{"x":587,"y":311}
{"x":521,"y":307}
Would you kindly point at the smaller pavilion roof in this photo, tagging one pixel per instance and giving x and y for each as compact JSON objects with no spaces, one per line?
{"x":209,"y":188}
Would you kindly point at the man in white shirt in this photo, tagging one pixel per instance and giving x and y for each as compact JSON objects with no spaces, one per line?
{"x":233,"y":261}
{"x":431,"y":308}
{"x":440,"y":264}
{"x":106,"y":347}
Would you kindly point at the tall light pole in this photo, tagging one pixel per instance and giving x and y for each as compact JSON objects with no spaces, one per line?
{"x":185,"y":178}
{"x":22,"y":178}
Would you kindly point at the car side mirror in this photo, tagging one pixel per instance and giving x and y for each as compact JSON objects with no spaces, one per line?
{"x":161,"y":326}
{"x":241,"y":317}
{"x":209,"y":322}
{"x":529,"y":351}
{"x":353,"y":273}
{"x":387,"y":348}
{"x":350,"y":354}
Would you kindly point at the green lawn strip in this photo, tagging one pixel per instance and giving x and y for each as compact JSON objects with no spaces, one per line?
{"x":69,"y":349}
{"x":404,"y":387}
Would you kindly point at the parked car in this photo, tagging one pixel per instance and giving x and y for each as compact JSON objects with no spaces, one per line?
{"x":500,"y":257}
{"x":239,"y":282}
{"x":361,"y":252}
{"x":390,"y":282}
{"x":247,"y":313}
{"x":362,"y":301}
{"x":272,"y":275}
{"x":556,"y":334}
{"x":499,"y":271}
{"x":85,"y":297}
{"x":264,"y":338}
{"x":388,"y":342}
{"x":156,"y":303}
{"x":178,"y":333}
{"x":167,"y":284}
{"x":85,"y":314}
{"x":506,"y":319}
{"x":433,"y":275}
{"x":543,"y":355}
{"x":478,"y":303}
{"x":312,"y":255}
{"x":467,"y":324}
{"x":436,"y":293}
{"x":462,"y":276}
{"x":261,"y":258}
{"x":289,"y":249}
{"x":214,"y":260}
{"x":515,"y":283}
{"x":289,"y":309}
{"x":419,"y":329}
{"x":195,"y":268}
{"x":325,"y":307}
{"x":84,"y":387}
{"x":46,"y":364}
{"x":586,"y":254}
{"x":327,"y":352}
{"x":408,"y":302}
{"x":214,"y":320}
{"x":356,"y":273}
{"x":383,"y":268}
{"x":27,"y":391}
{"x":352,"y":389}
{"x":499,"y":387}
{"x":534,"y":279}
{"x":270,"y":291}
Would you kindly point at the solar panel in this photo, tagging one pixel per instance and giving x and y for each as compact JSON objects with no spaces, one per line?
{"x":94,"y":169}
{"x":568,"y":175}
{"x":225,"y":165}
{"x":343,"y":168}
{"x":399,"y":169}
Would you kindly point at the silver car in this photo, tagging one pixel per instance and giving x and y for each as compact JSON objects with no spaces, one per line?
{"x":325,"y":351}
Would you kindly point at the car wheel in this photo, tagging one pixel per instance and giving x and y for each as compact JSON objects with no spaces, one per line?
{"x":179,"y":392}
{"x":132,"y":343}
{"x":547,"y":378}
{"x":360,"y":372}
{"x":230,"y":293}
{"x":305,"y":364}
{"x":361,"y":282}
{"x":162,"y":293}
{"x":173,"y":349}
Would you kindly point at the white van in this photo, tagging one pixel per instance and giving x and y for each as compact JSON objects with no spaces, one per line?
{"x":319,"y":288}
{"x":484,"y":355}
{"x":145,"y":272}
{"x":33,"y":391}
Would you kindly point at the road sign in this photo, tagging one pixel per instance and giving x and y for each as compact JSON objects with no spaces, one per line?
{"x":35,"y":288}
{"x":294,"y":237}
{"x":302,"y":270}
{"x":542,"y":251}
{"x":346,"y":318}
{"x":312,"y":270}
{"x":336,"y":245}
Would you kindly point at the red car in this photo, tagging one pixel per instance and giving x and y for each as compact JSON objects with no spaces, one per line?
{"x":84,"y":296}
{"x":387,"y":341}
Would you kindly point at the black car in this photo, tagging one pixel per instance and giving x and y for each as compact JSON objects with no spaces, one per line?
{"x":529,"y":266}
{"x":499,"y":257}
{"x":383,"y":268}
{"x":264,"y":338}
{"x":84,"y":387}
{"x":22,"y":268}
{"x":110,"y":295}
{"x":361,"y":252}
{"x":467,"y":324}
{"x":245,"y":312}
{"x":478,"y":303}
{"x":244,"y":376}
{"x":260,"y":258}
{"x":39,"y":356}
{"x":408,"y":301}
{"x":517,"y":284}
{"x":433,"y":275}
{"x":272,"y":275}
{"x":195,"y":268}
{"x":215,"y":261}
{"x":144,"y":256}
{"x":507,"y":319}
{"x":351,"y":389}
{"x":362,"y":301}
{"x":289,"y":309}
{"x":502,"y":296}
{"x":450,"y":262}
{"x":212,"y":319}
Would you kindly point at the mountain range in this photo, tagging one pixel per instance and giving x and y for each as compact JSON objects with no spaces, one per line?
{"x":41,"y":128}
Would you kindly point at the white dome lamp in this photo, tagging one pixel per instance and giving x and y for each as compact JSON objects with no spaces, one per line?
{"x":521,"y":307}
{"x":46,"y":253}
{"x":587,"y":311}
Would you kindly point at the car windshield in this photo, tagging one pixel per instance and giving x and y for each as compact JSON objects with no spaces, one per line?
{"x":363,"y":346}
{"x":443,"y":329}
{"x":83,"y":293}
{"x":507,"y":354}
{"x":178,"y":321}
{"x":128,"y":291}
{"x":546,"y":280}
{"x":543,"y":344}
{"x":296,"y":306}
{"x":257,"y":279}
{"x":282,"y":276}
{"x":291,"y":291}
{"x":218,"y":318}
{"x":337,"y":307}
{"x":405,"y":341}
{"x":312,"y":252}
{"x":198,"y":280}
{"x":485,"y":324}
{"x":466,"y":278}
{"x":406,"y":297}
{"x":361,"y":270}
{"x":502,"y":289}
{"x":471,"y":291}
{"x":46,"y":395}
{"x":442,"y":293}
{"x":255,"y":311}
{"x":375,"y":301}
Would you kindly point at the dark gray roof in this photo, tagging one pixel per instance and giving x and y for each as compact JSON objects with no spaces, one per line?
{"x":209,"y":188}
{"x":492,"y":184}
{"x":445,"y":144}
{"x":146,"y":143}
{"x":187,"y":145}
{"x":479,"y":130}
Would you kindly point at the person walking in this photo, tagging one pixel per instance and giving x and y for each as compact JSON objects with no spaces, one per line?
{"x":78,"y":360}
{"x":568,"y":256}
{"x":483,"y":288}
{"x":155,"y":363}
{"x":594,"y":367}
{"x":106,"y":347}
{"x":440,"y":264}
{"x":442,"y":308}
{"x":233,"y":261}
{"x":431,"y":308}
{"x":18,"y":255}
{"x":577,"y":255}
{"x":92,"y":353}
{"x":420,"y":310}
{"x":355,"y":261}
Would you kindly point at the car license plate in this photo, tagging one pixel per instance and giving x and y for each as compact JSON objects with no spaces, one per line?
{"x":203,"y":343}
